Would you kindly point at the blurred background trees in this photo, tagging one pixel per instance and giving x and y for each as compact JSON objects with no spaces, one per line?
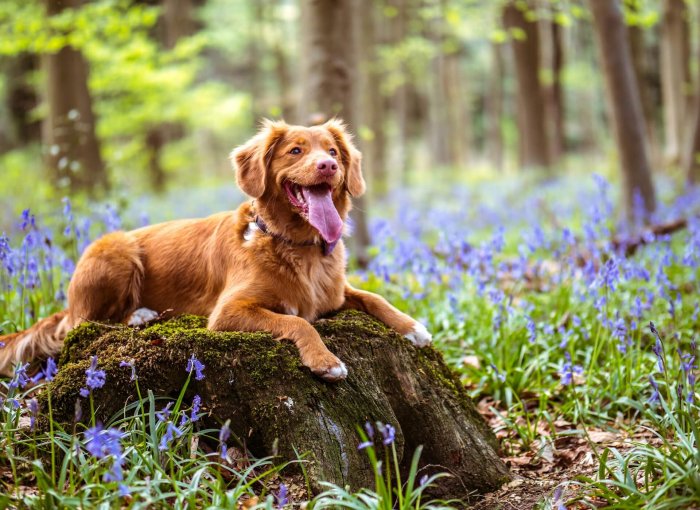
{"x":138,"y":95}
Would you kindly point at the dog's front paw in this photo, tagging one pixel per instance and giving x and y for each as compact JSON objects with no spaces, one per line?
{"x":419,"y":336}
{"x":328,"y":367}
{"x":142,"y":316}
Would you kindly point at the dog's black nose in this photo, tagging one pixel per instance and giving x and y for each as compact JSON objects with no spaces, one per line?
{"x":327,"y":167}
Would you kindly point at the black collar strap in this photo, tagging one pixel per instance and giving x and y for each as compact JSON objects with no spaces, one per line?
{"x":327,"y":248}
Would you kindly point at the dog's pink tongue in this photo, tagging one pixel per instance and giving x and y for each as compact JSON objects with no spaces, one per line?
{"x":322,"y":213}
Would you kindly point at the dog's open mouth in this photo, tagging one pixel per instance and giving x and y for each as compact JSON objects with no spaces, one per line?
{"x":315,"y":204}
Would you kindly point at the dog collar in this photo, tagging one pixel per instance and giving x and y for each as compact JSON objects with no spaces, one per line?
{"x":327,"y":248}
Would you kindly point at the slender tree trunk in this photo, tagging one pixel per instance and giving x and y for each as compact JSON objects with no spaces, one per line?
{"x":21,"y":98}
{"x":624,"y":105}
{"x":69,"y":131}
{"x":176,"y":22}
{"x":675,"y":51}
{"x":532,"y":119}
{"x":372,"y":101}
{"x":691,"y":158}
{"x":328,"y":81}
{"x":494,"y":108}
{"x":398,"y":29}
{"x":554,"y":92}
{"x":641,"y":68}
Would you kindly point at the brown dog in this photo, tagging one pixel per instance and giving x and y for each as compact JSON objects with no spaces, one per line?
{"x":275,"y":264}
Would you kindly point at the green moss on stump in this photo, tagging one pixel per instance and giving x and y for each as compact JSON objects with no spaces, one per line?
{"x":271,"y":398}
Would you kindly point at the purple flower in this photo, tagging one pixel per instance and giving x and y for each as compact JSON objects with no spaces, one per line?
{"x":171,"y":432}
{"x":20,"y":378}
{"x":531,"y":330}
{"x":51,"y":369}
{"x":94,"y":378}
{"x":164,"y":414}
{"x":658,"y":348}
{"x":388,"y":434}
{"x":130,"y":364}
{"x":501,"y":377}
{"x":196,"y":403}
{"x":224,"y":434}
{"x":102,"y":443}
{"x":568,"y":370}
{"x":423,"y":480}
{"x":655,"y":394}
{"x":281,"y":496}
{"x":33,"y":405}
{"x":196,"y":365}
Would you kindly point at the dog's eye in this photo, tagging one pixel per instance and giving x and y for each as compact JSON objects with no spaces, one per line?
{"x":295,"y":150}
{"x":333,"y":152}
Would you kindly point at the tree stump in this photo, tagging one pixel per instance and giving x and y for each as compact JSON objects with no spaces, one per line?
{"x":271,"y":399}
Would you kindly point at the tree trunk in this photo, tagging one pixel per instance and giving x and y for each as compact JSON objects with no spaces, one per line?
{"x":624,"y":106}
{"x":276,"y":405}
{"x":398,"y":30}
{"x":554,"y":92}
{"x":21,"y":98}
{"x":675,"y":56}
{"x":372,"y":102}
{"x":328,"y":82}
{"x":691,"y":161}
{"x":494,"y":108}
{"x":532,"y":119}
{"x":69,"y":130}
{"x":176,"y":22}
{"x":641,"y":69}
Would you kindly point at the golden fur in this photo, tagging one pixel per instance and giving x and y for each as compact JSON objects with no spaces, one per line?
{"x":224,"y":268}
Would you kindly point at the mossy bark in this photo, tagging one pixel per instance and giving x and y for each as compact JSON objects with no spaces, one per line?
{"x":271,"y":399}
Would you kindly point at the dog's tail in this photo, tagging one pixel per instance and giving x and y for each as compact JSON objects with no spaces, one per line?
{"x":42,"y":340}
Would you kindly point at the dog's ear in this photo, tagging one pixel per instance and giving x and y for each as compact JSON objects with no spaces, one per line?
{"x":252,"y":160}
{"x":349,"y":156}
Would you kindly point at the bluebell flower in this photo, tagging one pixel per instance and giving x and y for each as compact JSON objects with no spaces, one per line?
{"x":388,"y":434}
{"x":94,"y":378}
{"x":196,"y":403}
{"x":51,"y":369}
{"x":171,"y":432}
{"x":568,"y":370}
{"x":658,"y":348}
{"x":20,"y":379}
{"x":196,"y":365}
{"x":655,"y":394}
{"x":501,"y":377}
{"x":224,"y":434}
{"x":131,"y":365}
{"x":33,"y":405}
{"x":102,"y":443}
{"x":281,"y":496}
{"x":164,"y":413}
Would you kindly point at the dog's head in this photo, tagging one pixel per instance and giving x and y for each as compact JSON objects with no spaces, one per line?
{"x":301,"y":176}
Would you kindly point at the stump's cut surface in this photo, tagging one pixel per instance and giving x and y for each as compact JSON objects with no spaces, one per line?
{"x":271,"y":399}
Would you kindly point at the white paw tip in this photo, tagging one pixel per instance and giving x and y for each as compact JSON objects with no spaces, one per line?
{"x":338,"y":372}
{"x":142,"y":316}
{"x":419,"y":336}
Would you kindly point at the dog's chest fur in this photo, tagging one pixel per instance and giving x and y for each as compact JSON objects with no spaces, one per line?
{"x":311,"y":286}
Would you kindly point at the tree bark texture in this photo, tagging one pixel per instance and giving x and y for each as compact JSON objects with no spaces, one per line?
{"x":533,"y":125}
{"x":69,"y":130}
{"x":691,"y":161}
{"x":271,"y":399}
{"x":675,"y":73}
{"x":494,"y":108}
{"x":624,"y":105}
{"x":372,"y":99}
{"x":554,"y":92}
{"x":642,"y":71}
{"x":328,"y":82}
{"x":21,"y":98}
